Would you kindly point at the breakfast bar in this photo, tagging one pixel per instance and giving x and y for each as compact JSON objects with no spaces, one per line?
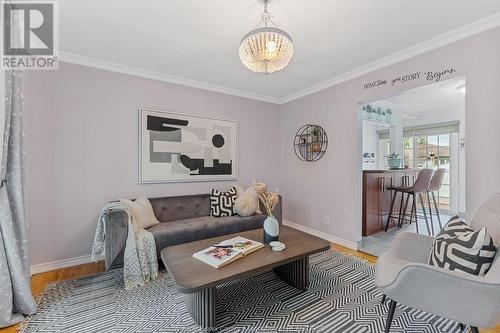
{"x":377,"y":196}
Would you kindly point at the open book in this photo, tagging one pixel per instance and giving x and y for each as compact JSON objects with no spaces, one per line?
{"x":221,"y":256}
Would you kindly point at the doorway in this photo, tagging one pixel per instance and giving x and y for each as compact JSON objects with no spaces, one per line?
{"x":421,"y":128}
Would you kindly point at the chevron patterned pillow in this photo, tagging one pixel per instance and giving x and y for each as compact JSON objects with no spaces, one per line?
{"x":222,"y":203}
{"x":459,"y":248}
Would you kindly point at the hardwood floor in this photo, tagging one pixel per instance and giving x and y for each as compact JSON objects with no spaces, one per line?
{"x":39,"y":281}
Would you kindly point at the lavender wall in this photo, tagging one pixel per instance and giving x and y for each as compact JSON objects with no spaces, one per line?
{"x":83,"y":134}
{"x":82,"y":148}
{"x":332,"y":186}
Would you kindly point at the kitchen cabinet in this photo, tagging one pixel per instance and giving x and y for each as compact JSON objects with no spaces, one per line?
{"x":377,"y":197}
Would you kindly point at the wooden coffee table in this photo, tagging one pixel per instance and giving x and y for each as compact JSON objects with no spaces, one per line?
{"x":199,"y":281}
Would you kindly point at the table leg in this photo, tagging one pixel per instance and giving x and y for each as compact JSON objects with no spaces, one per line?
{"x":295,"y":273}
{"x":201,"y":307}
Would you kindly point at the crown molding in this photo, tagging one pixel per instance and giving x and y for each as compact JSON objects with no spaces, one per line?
{"x":484,"y":24}
{"x":481,"y":25}
{"x":153,"y":75}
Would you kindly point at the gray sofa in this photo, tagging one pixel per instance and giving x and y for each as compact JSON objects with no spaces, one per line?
{"x":182,"y":219}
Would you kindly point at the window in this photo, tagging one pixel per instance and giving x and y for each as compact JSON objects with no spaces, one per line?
{"x":408,"y":151}
{"x":431,"y":152}
{"x":384,"y":150}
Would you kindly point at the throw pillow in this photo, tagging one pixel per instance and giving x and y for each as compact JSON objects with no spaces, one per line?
{"x":142,"y":212}
{"x":459,"y":248}
{"x":247,"y":201}
{"x":222,"y":203}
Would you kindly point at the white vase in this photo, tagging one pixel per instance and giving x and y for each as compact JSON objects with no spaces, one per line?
{"x":271,"y":230}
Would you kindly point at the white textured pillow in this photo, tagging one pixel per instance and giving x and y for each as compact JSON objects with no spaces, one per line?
{"x":247,"y":201}
{"x":142,"y":212}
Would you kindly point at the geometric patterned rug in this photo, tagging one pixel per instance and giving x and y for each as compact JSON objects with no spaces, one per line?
{"x":341,"y":297}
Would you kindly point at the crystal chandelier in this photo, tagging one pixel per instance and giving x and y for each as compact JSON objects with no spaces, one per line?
{"x":266,"y":49}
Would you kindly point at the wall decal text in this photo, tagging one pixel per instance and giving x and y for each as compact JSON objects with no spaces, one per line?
{"x":406,"y":78}
{"x":375,"y":84}
{"x":436,"y":76}
{"x":429,"y":76}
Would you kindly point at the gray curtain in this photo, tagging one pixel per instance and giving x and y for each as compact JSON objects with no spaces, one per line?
{"x":16,"y":299}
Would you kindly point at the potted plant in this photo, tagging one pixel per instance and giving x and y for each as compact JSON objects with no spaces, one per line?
{"x":394,"y":160}
{"x":316,"y":145}
{"x":315,"y":134}
{"x":388,"y":115}
{"x":369,"y":112}
{"x":271,"y":225}
{"x":379,"y":113}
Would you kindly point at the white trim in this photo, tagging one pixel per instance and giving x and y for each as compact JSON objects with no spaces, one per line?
{"x":481,"y":25}
{"x":70,"y":262}
{"x":484,"y":24}
{"x":58,"y":264}
{"x":321,"y":234}
{"x":153,"y":75}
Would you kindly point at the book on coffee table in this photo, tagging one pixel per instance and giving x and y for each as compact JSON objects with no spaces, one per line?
{"x":236,"y":248}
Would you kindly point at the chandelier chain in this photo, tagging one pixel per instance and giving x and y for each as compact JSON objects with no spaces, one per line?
{"x":266,"y":18}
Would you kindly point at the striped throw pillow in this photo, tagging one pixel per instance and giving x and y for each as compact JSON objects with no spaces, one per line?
{"x":459,"y":248}
{"x":222,"y":203}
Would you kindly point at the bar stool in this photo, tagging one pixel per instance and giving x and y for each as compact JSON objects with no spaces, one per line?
{"x":435,"y":185}
{"x":420,"y":186}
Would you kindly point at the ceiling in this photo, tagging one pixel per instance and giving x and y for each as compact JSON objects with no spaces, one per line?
{"x":438,"y":99}
{"x":441,"y":97}
{"x":196,"y":41}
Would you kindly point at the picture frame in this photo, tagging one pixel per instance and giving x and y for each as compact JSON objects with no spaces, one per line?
{"x":175,"y":147}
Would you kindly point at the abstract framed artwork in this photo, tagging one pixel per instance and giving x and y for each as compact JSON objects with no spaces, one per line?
{"x":181,"y":148}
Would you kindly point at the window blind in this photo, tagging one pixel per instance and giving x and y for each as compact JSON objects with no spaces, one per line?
{"x":384,"y":134}
{"x":434,"y":129}
{"x":425,"y":130}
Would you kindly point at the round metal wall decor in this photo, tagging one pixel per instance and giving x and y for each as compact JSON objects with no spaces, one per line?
{"x":310,"y":143}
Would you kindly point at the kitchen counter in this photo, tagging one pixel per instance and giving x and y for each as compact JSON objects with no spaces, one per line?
{"x":377,"y":197}
{"x":387,"y":170}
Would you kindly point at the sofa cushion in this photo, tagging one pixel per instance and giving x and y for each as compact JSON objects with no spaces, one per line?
{"x":181,"y":207}
{"x":190,"y":230}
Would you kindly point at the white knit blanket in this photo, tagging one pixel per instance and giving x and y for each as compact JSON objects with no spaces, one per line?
{"x":140,"y":262}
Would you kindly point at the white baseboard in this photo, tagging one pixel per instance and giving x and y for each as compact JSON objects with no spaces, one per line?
{"x":321,"y":234}
{"x":65,"y":263}
{"x":58,"y":264}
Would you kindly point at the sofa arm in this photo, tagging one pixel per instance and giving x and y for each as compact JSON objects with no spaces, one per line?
{"x":277,"y":211}
{"x":116,"y":237}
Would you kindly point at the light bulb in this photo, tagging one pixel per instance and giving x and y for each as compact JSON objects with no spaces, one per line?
{"x":270,"y":49}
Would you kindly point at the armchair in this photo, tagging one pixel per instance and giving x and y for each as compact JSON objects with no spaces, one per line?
{"x":403,"y":275}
